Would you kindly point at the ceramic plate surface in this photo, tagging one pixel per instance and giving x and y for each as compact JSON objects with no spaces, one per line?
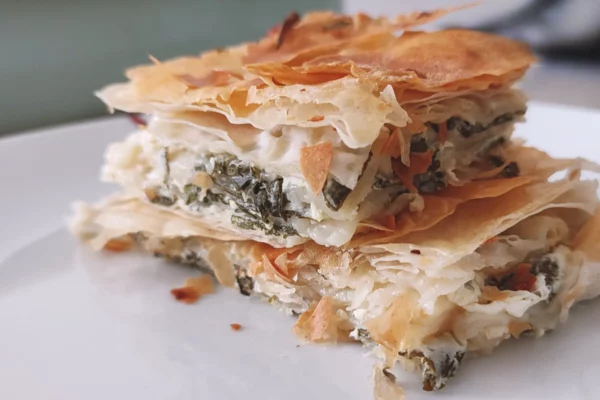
{"x":78,"y":325}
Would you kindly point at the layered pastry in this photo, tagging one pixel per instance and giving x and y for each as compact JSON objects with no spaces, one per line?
{"x":361,"y":175}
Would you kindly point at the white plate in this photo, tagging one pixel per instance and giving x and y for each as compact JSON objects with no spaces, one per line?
{"x":81,"y":325}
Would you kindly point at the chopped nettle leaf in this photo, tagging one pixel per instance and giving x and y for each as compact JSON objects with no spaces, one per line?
{"x":163,"y":200}
{"x":335,"y":194}
{"x":418,"y":144}
{"x":467,"y":129}
{"x":164,"y":155}
{"x":510,"y":171}
{"x":524,"y":275}
{"x":430,"y":180}
{"x":363,"y":335}
{"x":437,"y":366}
{"x":258,"y":197}
{"x":253,"y":224}
{"x":244,"y":282}
{"x":549,"y":269}
{"x":158,"y":196}
{"x":191,"y":192}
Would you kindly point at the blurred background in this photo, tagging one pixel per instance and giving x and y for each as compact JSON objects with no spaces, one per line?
{"x":56,"y":53}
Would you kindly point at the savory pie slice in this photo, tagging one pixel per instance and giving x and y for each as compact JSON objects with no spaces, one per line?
{"x":360,"y":175}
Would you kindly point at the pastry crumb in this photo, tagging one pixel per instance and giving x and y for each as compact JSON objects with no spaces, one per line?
{"x":385,"y":386}
{"x":235,"y":327}
{"x":193,"y":289}
{"x":118,"y":245}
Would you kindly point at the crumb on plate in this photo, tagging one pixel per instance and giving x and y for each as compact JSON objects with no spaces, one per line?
{"x":119,"y":245}
{"x":193,"y":289}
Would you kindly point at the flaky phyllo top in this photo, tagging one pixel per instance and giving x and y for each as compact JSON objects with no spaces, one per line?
{"x":327,"y":121}
{"x":354,"y":73}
